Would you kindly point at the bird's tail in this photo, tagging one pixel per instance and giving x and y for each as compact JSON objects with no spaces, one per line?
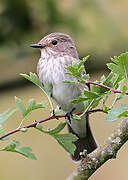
{"x":88,"y":143}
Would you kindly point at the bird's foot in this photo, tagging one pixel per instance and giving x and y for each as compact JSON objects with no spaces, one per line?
{"x":69,"y":115}
{"x":52,"y":112}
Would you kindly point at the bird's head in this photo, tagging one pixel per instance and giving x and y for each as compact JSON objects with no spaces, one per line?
{"x":57,"y":43}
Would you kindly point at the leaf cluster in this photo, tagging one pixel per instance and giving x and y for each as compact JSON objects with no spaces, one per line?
{"x":32,"y":105}
{"x":25,"y":151}
{"x":100,"y":91}
{"x":25,"y":111}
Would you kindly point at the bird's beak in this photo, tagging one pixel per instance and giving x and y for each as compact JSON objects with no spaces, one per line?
{"x":38,"y":45}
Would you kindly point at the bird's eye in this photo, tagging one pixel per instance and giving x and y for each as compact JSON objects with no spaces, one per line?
{"x":54,"y":42}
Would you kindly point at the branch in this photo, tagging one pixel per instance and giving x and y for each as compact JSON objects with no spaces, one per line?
{"x":30,"y":125}
{"x":97,"y":158}
{"x":43,"y":120}
{"x":104,"y":86}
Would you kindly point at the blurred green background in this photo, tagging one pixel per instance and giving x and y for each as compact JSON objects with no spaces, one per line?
{"x":99,"y":28}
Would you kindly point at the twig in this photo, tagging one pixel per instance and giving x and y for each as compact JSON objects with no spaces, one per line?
{"x":97,"y":158}
{"x":43,"y":120}
{"x":30,"y":125}
{"x":106,"y":87}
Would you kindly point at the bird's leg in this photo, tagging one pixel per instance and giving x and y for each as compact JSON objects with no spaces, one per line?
{"x":69,"y":115}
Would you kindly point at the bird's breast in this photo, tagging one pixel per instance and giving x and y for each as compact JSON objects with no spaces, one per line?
{"x":52,"y":70}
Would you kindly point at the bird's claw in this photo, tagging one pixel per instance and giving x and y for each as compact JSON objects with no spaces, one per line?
{"x":69,"y":115}
{"x":53,"y":114}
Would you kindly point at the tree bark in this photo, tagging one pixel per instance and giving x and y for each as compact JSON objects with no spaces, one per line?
{"x":97,"y":158}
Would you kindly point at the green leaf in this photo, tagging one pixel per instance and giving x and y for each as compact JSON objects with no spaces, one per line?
{"x":108,"y":81}
{"x":114,"y":68}
{"x":6,"y":114}
{"x":75,"y":116}
{"x":106,"y":109}
{"x":11,"y":146}
{"x":47,"y":89}
{"x":40,"y":105}
{"x":87,"y":105}
{"x":33,"y":106}
{"x":86,"y":77}
{"x":69,"y":81}
{"x":75,"y":71}
{"x":99,"y":90}
{"x":25,"y":151}
{"x":120,"y":65}
{"x":76,"y":68}
{"x":80,"y":99}
{"x":102,"y":79}
{"x":115,"y":112}
{"x":66,"y":141}
{"x":20,"y":105}
{"x":124,"y":114}
{"x":124,"y":89}
{"x":117,"y":81}
{"x":75,"y":64}
{"x":2,"y":133}
{"x":112,"y":80}
{"x":121,"y":95}
{"x":33,"y":78}
{"x":90,"y":95}
{"x":84,"y":59}
{"x":96,"y":102}
{"x":56,"y":130}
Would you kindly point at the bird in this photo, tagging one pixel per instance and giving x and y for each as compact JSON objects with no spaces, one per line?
{"x":58,"y":51}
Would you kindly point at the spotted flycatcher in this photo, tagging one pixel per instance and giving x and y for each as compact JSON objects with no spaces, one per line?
{"x":58,"y":51}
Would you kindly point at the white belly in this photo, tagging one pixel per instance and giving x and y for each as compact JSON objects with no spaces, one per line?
{"x":63,"y":95}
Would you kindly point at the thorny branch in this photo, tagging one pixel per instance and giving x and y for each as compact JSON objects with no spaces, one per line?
{"x":97,"y":158}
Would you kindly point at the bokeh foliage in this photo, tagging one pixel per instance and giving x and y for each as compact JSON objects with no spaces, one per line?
{"x":19,"y":18}
{"x":99,"y":28}
{"x":95,"y":24}
{"x":15,"y":20}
